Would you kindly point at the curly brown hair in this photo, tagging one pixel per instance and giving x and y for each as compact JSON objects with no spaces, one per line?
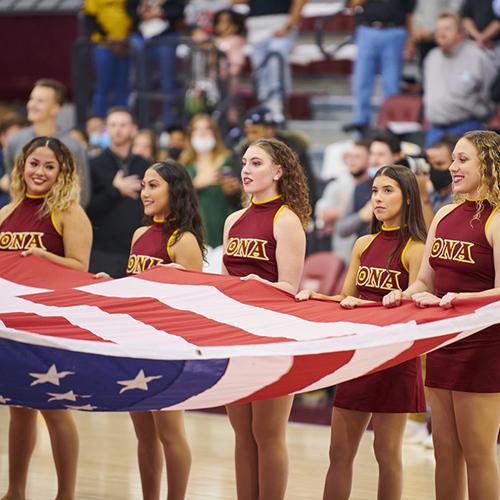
{"x":487,"y":145}
{"x":66,"y":188}
{"x":292,"y":185}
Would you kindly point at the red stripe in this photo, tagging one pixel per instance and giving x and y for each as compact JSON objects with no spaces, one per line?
{"x":40,"y":273}
{"x":192,"y":327}
{"x":49,"y":326}
{"x":305,"y":371}
{"x":260,"y":295}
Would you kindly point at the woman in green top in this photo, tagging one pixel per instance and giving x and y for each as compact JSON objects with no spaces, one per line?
{"x":208,"y":162}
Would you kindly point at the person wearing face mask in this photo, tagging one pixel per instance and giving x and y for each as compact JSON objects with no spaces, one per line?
{"x":439,"y":156}
{"x":172,"y":142}
{"x":215,"y":179}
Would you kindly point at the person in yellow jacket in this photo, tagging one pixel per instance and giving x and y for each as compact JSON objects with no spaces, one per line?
{"x":109,"y":25}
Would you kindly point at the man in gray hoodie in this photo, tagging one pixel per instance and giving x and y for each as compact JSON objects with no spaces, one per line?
{"x":43,"y":105}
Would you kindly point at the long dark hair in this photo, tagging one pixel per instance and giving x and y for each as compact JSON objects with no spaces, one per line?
{"x":412,"y":224}
{"x":183,"y":210}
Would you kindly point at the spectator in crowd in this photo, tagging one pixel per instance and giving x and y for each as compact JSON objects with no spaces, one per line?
{"x":199,"y":17}
{"x":424,"y":23}
{"x":10,"y":125}
{"x":272,"y":27}
{"x":385,"y":149}
{"x":144,"y":145}
{"x":457,"y":80}
{"x":215,"y":179}
{"x":172,"y":142}
{"x":44,"y":104}
{"x":330,"y":207}
{"x":483,"y":26}
{"x":115,"y":209}
{"x":229,"y":38}
{"x":440,"y":159}
{"x":95,"y":127}
{"x":109,"y":25}
{"x":154,"y":43}
{"x":382,"y":28}
{"x":261,"y":123}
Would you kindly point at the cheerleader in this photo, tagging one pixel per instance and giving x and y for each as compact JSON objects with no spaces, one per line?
{"x":266,"y":242}
{"x":461,"y":260}
{"x":45,"y":219}
{"x":388,"y":259}
{"x":173,"y":235}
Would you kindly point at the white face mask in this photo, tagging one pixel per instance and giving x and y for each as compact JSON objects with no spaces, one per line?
{"x":203,"y":144}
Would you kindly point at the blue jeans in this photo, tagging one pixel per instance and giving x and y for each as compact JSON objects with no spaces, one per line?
{"x":436,"y":132}
{"x":268,"y":77}
{"x":378,"y":51}
{"x":158,"y":56}
{"x":111,"y":87}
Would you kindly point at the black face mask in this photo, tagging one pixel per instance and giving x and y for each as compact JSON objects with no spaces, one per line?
{"x":174,"y":153}
{"x":440,"y":178}
{"x":359,"y":173}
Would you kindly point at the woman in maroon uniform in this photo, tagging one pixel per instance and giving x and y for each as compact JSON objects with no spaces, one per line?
{"x":388,"y":259}
{"x":266,"y":241}
{"x":173,"y":235}
{"x":462,"y":259}
{"x":45,"y":219}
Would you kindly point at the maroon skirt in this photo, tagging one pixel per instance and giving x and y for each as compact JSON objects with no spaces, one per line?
{"x":469,"y":365}
{"x":398,"y":389}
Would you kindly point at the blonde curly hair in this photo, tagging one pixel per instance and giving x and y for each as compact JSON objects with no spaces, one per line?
{"x":65,"y":190}
{"x":292,"y":185}
{"x":487,"y":145}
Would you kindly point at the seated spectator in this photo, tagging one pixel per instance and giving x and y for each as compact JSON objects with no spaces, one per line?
{"x":457,"y":81}
{"x":144,"y":145}
{"x":109,"y":25}
{"x":214,"y":178}
{"x":336,"y":195}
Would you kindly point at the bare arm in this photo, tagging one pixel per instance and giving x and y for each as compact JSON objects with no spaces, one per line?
{"x":186,"y":252}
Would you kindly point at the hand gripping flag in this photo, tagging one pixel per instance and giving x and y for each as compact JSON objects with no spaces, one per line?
{"x":178,"y":339}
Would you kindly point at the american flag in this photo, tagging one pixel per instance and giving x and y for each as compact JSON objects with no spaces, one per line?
{"x":184,"y":340}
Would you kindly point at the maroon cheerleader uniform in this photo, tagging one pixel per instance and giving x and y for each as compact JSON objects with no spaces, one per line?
{"x":151,"y":248}
{"x":398,"y":389}
{"x":462,"y":260}
{"x":25,"y":228}
{"x":251,"y":246}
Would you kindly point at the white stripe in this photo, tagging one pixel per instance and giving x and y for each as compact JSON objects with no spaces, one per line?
{"x":119,"y":328}
{"x":11,"y":289}
{"x":236,"y":382}
{"x":208,"y":301}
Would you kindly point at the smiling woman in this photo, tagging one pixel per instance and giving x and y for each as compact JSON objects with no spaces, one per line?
{"x":45,"y":219}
